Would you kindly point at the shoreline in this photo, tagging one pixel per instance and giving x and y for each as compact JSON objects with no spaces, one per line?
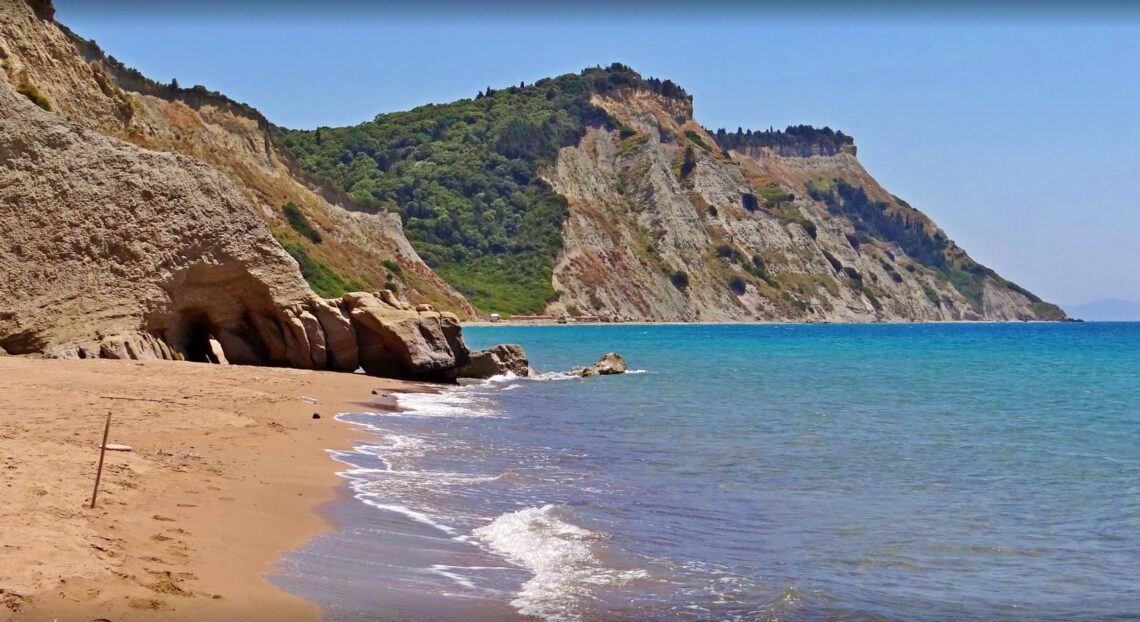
{"x":228,"y":472}
{"x":372,"y":565}
{"x":508,"y":322}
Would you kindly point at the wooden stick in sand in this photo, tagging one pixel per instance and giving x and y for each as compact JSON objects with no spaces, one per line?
{"x":102,"y":452}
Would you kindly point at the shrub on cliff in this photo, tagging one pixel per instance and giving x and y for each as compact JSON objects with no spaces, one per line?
{"x":324,"y":280}
{"x":33,"y":93}
{"x":759,"y":270}
{"x":874,"y":300}
{"x":688,"y":162}
{"x":680,"y":280}
{"x":393,"y":267}
{"x":873,"y":219}
{"x":737,"y":285}
{"x":697,"y":140}
{"x":835,"y":263}
{"x":809,"y":227}
{"x":301,"y":224}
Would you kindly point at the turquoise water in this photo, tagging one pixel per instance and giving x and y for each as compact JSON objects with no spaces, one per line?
{"x":893,"y":472}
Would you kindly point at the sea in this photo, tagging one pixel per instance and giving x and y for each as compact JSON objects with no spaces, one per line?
{"x":751,"y":472}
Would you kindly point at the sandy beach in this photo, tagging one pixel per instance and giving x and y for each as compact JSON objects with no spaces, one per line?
{"x":227,"y":467}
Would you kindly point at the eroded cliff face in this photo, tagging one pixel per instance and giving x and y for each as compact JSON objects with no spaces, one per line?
{"x":737,"y":235}
{"x":76,"y":80}
{"x":113,"y":251}
{"x":98,"y":234}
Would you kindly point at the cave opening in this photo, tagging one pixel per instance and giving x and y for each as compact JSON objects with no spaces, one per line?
{"x":196,"y":333}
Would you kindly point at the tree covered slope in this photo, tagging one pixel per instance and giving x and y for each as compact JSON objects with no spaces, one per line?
{"x":465,"y":178}
{"x":598,"y":194}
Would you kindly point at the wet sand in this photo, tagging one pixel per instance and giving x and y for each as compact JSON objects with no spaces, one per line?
{"x":377,"y":565}
{"x":226,"y":471}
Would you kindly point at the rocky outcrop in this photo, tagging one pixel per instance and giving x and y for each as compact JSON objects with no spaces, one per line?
{"x":496,"y":361}
{"x":738,"y":235}
{"x":396,"y":341}
{"x":107,"y":245}
{"x":610,"y":364}
{"x":340,"y":336}
{"x":78,"y":81}
{"x":112,"y":251}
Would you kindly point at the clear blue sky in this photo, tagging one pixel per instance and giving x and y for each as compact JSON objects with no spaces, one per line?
{"x":1017,"y":133}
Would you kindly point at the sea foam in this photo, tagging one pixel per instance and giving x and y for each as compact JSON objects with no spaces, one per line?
{"x":560,"y":555}
{"x":453,"y":402}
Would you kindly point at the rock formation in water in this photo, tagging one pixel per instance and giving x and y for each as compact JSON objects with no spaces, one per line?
{"x":495,"y":361}
{"x":610,"y":364}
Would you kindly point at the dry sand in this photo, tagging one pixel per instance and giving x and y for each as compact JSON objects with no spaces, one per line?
{"x":226,"y":469}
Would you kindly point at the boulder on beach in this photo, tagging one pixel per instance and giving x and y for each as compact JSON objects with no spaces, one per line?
{"x":397,"y":341}
{"x":495,"y":361}
{"x":611,"y":363}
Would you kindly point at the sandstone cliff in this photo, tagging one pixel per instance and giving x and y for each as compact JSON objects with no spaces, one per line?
{"x":346,"y":249}
{"x":114,"y":251}
{"x":666,"y":224}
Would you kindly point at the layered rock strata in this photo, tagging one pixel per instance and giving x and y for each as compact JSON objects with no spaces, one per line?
{"x":113,"y":251}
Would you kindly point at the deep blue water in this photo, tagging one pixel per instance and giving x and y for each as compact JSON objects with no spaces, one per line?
{"x":790,"y":472}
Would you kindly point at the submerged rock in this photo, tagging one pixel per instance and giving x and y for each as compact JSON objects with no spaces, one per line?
{"x":495,"y":361}
{"x":610,"y":364}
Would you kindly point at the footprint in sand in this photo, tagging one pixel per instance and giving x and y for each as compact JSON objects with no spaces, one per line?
{"x":169,"y":583}
{"x":148,"y":604}
{"x":13,"y":601}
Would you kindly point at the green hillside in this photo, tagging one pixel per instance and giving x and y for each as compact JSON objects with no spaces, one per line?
{"x":464,"y":178}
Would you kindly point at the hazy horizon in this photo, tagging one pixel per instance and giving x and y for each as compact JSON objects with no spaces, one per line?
{"x":1015,"y":131}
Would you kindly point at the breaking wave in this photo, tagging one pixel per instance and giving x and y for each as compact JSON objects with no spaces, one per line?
{"x":559,"y":554}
